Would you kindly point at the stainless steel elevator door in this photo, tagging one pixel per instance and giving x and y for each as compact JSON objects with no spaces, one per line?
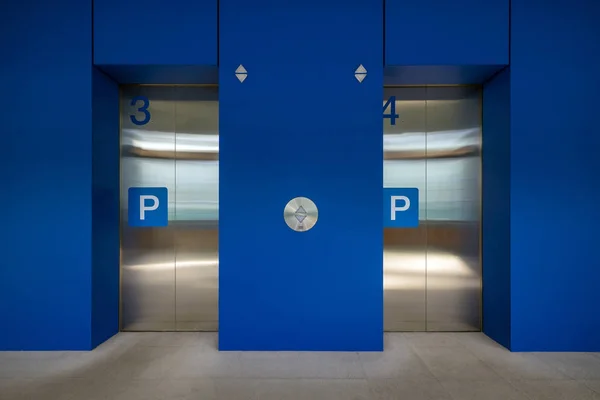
{"x":169,"y":275}
{"x":432,"y":274}
{"x":405,"y":256}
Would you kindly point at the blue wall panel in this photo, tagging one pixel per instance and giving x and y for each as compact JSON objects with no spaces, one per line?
{"x":46,"y":175}
{"x":449,"y":33}
{"x":496,"y":208}
{"x":301,"y":125}
{"x":105,"y":207}
{"x":555,"y":59}
{"x":155,"y":41}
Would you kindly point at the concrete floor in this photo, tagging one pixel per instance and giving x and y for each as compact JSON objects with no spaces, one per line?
{"x":415,"y":366}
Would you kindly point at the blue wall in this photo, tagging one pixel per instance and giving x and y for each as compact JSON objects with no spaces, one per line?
{"x":300,"y":125}
{"x":554,"y":84}
{"x":441,"y":32}
{"x":445,"y":42}
{"x":105,"y":207}
{"x":59,"y":274}
{"x":496,"y":208}
{"x":155,"y":32}
{"x":156,"y":41}
{"x":299,"y":106}
{"x":46,"y":141}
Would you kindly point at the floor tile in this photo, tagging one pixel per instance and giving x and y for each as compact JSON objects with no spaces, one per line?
{"x":393,"y":341}
{"x":188,"y":366}
{"x":413,"y":389}
{"x":455,"y":363}
{"x":293,"y":389}
{"x":173,"y":339}
{"x":15,"y":389}
{"x":300,"y":365}
{"x":187,"y":389}
{"x":195,"y":362}
{"x":58,"y":388}
{"x":483,"y":390}
{"x":556,"y":390}
{"x":516,"y":365}
{"x":575,"y":365}
{"x":594,"y":385}
{"x":135,"y":390}
{"x":400,"y":361}
{"x":433,"y":339}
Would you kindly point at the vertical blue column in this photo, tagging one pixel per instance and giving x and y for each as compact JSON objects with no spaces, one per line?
{"x":46,"y":174}
{"x":496,"y":208}
{"x":105,"y":207}
{"x":554,"y":191}
{"x":301,"y":124}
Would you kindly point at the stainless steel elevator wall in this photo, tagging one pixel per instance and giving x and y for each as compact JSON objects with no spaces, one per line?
{"x":432,"y":274}
{"x":169,"y":275}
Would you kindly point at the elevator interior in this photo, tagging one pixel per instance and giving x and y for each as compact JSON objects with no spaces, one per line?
{"x":432,"y":274}
{"x":169,"y":275}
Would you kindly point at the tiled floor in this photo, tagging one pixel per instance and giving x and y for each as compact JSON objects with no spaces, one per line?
{"x":416,"y":366}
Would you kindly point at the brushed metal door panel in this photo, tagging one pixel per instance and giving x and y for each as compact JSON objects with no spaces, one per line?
{"x":453,"y":209}
{"x":147,"y":254}
{"x":197,"y":208}
{"x":404,"y":250}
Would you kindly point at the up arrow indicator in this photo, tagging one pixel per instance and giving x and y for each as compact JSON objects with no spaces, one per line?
{"x":241,"y":73}
{"x":360,"y":74}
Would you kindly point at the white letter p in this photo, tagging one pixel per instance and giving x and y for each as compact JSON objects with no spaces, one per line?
{"x":144,"y":208}
{"x":395,"y":208}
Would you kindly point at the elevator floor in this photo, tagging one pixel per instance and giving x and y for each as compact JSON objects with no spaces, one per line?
{"x":415,"y":366}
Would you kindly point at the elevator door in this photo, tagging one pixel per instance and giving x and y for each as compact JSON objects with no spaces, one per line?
{"x":169,"y":274}
{"x":432,"y":274}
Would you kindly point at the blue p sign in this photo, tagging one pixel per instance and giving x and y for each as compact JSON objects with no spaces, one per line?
{"x":148,"y":206}
{"x":401,"y":207}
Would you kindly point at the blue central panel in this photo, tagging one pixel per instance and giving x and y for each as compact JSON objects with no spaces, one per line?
{"x":301,"y":124}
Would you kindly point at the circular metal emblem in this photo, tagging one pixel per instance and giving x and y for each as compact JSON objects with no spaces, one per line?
{"x":301,"y":214}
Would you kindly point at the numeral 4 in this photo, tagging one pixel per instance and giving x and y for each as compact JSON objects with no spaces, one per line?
{"x":391,"y":103}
